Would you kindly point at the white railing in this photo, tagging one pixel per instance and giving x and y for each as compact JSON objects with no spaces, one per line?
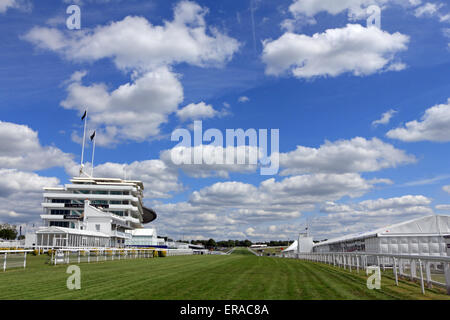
{"x":67,"y":256}
{"x":432,"y":270}
{"x":10,"y":259}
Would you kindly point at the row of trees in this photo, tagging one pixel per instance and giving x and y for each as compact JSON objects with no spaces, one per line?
{"x":8,"y":232}
{"x":211,"y":243}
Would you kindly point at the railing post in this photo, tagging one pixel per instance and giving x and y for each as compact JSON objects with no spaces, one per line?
{"x":400,"y":267}
{"x":395,"y":271}
{"x":79,"y":256}
{"x":4,"y":262}
{"x":25,"y":260}
{"x":428,"y":275}
{"x":413,"y":269}
{"x":447,"y":275}
{"x":357,"y":264}
{"x":421,"y":277}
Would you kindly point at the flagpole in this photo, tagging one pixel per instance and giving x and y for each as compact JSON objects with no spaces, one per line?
{"x":84,"y":138}
{"x":93,"y":153}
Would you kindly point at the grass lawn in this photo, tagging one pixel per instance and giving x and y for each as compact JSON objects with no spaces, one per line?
{"x":241,"y":276}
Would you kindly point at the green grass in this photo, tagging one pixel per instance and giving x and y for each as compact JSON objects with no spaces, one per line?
{"x":241,"y":276}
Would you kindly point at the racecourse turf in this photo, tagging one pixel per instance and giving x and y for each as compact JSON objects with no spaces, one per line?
{"x":239,"y":276}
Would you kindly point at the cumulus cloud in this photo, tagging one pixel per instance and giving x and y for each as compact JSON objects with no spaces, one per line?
{"x":244,"y":99}
{"x":5,"y":5}
{"x":446,"y":189}
{"x":385,"y":118}
{"x":134,"y":43}
{"x":427,"y":9}
{"x":344,"y":156}
{"x":134,"y":111}
{"x":20,"y":149}
{"x":356,"y":9}
{"x":197,"y":111}
{"x":443,"y":207}
{"x":230,"y":208}
{"x":340,"y":219}
{"x":433,"y":126}
{"x":354,"y":48}
{"x":213,"y":160}
{"x":21,"y":195}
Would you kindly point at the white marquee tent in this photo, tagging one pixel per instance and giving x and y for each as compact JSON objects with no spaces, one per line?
{"x":429,"y":235}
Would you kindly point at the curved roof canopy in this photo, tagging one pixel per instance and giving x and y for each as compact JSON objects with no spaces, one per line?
{"x":149,"y":215}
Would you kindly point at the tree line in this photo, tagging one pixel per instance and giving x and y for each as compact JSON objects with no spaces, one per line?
{"x":8,"y":232}
{"x":211,"y":243}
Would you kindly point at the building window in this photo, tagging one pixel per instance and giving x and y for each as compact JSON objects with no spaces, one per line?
{"x":58,"y":212}
{"x":59,"y":224}
{"x":97,"y":227}
{"x":60,"y":201}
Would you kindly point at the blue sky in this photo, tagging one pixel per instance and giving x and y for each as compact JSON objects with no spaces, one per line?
{"x":312,"y":69}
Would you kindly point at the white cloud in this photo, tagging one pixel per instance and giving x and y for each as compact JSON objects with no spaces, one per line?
{"x":443,"y":207}
{"x":367,"y":215}
{"x":5,"y":5}
{"x":197,"y":111}
{"x":20,"y":149}
{"x":21,"y":195}
{"x":134,"y":111}
{"x":344,"y":156}
{"x":134,"y":43}
{"x":446,"y":189}
{"x":385,"y":118}
{"x":213,"y":160}
{"x":427,"y":9}
{"x":227,"y":209}
{"x":14,"y":181}
{"x":354,"y":48}
{"x":244,"y":99}
{"x":434,"y":126}
{"x":290,"y":192}
{"x":356,"y":9}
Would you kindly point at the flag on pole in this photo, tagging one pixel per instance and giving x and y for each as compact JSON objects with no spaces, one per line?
{"x":84,"y":115}
{"x":93,"y":136}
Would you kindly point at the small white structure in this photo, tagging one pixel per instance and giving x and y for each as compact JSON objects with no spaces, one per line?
{"x":144,"y":238}
{"x":304,"y":244}
{"x":428,"y":236}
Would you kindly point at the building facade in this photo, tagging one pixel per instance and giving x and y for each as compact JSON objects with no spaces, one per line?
{"x":93,"y":209}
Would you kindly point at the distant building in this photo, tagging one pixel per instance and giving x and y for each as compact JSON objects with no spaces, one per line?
{"x":144,"y":238}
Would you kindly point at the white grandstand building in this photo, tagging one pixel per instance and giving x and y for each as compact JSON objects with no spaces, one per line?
{"x":92,"y":212}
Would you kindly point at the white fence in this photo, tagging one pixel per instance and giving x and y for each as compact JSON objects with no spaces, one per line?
{"x":12,"y":244}
{"x":429,"y":270}
{"x":10,"y":259}
{"x":67,"y":256}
